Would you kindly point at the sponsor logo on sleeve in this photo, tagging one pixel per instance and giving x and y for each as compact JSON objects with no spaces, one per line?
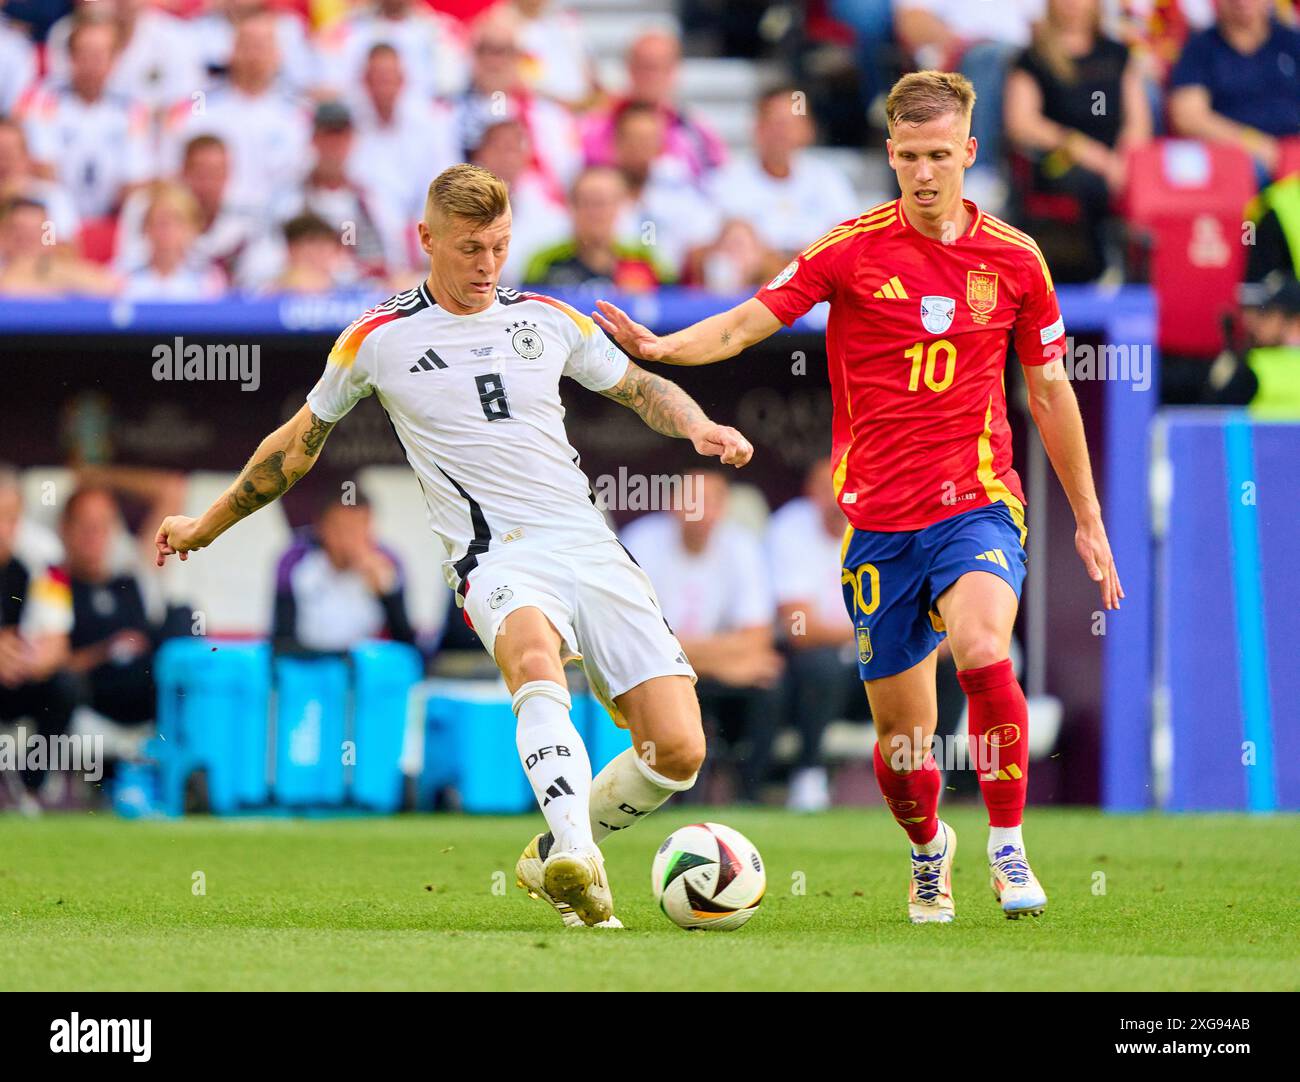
{"x":1053,"y":332}
{"x":785,"y":275}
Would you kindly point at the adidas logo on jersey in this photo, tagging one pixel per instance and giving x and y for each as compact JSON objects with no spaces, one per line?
{"x":429,"y":362}
{"x":892,"y":290}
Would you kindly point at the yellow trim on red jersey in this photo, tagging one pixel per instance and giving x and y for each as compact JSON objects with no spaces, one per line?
{"x":994,"y":487}
{"x":841,"y":470}
{"x":995,"y":228}
{"x":873,"y":219}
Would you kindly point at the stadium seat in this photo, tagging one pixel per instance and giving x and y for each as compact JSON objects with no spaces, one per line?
{"x":470,"y":745}
{"x":212,"y":724}
{"x":235,"y":596}
{"x":331,"y":736}
{"x":1187,"y":199}
{"x":1289,"y":159}
{"x":98,"y":240}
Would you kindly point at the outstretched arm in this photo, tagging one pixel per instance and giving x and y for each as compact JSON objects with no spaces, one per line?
{"x":710,"y":340}
{"x":669,"y":410}
{"x":1056,"y":413}
{"x":279,"y":461}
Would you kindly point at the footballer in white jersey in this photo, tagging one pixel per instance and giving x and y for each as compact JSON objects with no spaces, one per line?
{"x":469,"y":375}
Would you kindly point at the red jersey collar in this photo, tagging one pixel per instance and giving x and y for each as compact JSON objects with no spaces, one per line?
{"x":976,"y":216}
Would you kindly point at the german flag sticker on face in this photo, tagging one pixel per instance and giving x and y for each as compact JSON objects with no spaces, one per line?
{"x":786,"y":274}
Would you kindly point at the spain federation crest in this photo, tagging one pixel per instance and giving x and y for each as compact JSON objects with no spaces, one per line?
{"x":981,"y":294}
{"x":864,"y":644}
{"x":937,"y":313}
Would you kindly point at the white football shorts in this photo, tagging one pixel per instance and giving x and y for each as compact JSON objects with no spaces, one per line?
{"x":598,"y":599}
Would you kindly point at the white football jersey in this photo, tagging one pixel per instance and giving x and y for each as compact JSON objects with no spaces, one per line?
{"x":475,"y":401}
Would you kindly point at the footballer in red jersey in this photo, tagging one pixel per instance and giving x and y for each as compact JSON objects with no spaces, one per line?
{"x":926,"y":294}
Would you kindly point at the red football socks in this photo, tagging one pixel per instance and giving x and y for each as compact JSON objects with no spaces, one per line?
{"x":999,"y":739}
{"x":913,"y":798}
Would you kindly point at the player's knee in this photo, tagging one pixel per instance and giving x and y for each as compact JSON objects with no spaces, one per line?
{"x":903,"y":745}
{"x":681,"y":755}
{"x":979,"y":648}
{"x":533,"y":662}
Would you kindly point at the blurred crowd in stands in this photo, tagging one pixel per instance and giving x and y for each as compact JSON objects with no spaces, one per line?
{"x":185,"y":149}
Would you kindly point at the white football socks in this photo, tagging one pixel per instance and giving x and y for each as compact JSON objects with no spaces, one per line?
{"x":555,"y":761}
{"x":627,"y":790}
{"x":1000,"y":836}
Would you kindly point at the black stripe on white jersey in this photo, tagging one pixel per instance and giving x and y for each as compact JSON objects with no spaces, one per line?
{"x":482,"y":535}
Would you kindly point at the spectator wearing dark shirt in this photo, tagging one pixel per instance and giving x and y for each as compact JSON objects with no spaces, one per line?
{"x":1239,"y":82}
{"x":1075,"y":103}
{"x":594,"y":256}
{"x":35,"y":615}
{"x":337,"y":586}
{"x":115,"y":628}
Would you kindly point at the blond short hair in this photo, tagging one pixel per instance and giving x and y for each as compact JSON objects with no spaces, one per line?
{"x":920,"y":96}
{"x":168,"y":195}
{"x":469,"y":192}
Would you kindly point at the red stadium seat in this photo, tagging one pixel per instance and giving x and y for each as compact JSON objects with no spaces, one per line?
{"x":1289,"y":161}
{"x":1188,"y":198}
{"x":98,"y":239}
{"x":820,"y":26}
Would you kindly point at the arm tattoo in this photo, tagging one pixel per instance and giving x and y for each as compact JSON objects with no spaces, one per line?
{"x":663,"y":405}
{"x":259,"y":484}
{"x":726,"y":337}
{"x":314,"y":437}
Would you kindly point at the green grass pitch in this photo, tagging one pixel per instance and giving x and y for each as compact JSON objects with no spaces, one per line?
{"x":429,"y":902}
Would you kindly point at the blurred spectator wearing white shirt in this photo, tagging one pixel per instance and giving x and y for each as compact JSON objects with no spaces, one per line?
{"x":498,"y":91}
{"x":431,"y":45}
{"x":403,"y":139}
{"x":315,"y":260}
{"x":712,"y":585}
{"x":666,"y":211}
{"x":788,"y":197}
{"x":174,"y":272}
{"x":804,"y":540}
{"x":265,"y":130}
{"x":226,"y":230}
{"x":157,"y":62}
{"x":538,"y":218}
{"x":371,"y":234}
{"x":213,"y":35}
{"x":980,"y":40}
{"x":734,"y":263}
{"x":18,"y":179}
{"x":94,"y":142}
{"x":556,"y":61}
{"x":17,"y":65}
{"x":339,"y":585}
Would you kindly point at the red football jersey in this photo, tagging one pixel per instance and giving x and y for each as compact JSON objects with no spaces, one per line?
{"x":916,"y":345}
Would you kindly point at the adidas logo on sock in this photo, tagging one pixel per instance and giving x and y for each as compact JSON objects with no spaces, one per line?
{"x":557,"y":789}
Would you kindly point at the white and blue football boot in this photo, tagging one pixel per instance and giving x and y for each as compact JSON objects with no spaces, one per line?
{"x":930,"y":900}
{"x":1013,"y":881}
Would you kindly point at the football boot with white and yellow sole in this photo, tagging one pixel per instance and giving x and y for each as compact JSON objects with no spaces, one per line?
{"x":576,"y":881}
